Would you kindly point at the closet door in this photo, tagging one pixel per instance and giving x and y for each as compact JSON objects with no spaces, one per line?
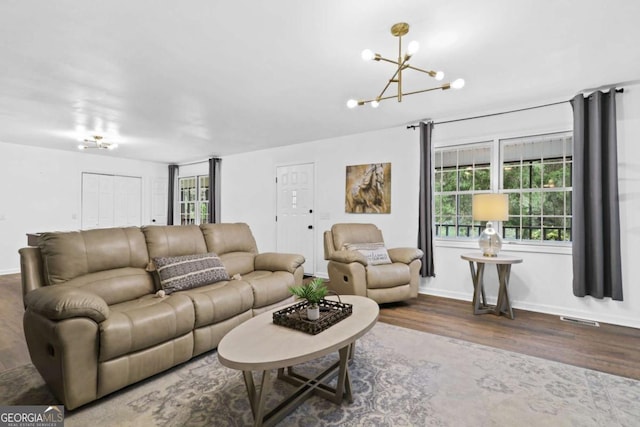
{"x":111,"y":201}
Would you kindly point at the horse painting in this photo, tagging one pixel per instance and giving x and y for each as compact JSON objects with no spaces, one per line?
{"x":368,"y":188}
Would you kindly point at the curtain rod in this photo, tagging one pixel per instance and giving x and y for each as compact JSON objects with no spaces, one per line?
{"x":196,"y":162}
{"x":621,"y":90}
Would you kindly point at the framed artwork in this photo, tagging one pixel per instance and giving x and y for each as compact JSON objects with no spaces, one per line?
{"x":368,"y":189}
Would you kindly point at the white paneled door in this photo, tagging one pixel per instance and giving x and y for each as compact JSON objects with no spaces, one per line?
{"x":111,"y":201}
{"x":295,"y":219}
{"x":159,"y":194}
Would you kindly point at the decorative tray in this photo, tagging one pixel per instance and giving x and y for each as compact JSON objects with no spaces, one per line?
{"x":295,"y":316}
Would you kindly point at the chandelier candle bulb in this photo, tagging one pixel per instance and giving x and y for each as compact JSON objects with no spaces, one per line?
{"x":367,"y":55}
{"x":413,"y":47}
{"x":458,"y":84}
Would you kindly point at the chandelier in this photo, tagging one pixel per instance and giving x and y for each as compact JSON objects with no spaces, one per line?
{"x":398,"y":30}
{"x":98,"y":143}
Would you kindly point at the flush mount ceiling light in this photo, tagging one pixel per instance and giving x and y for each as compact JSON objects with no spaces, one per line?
{"x":98,"y":143}
{"x":398,"y":30}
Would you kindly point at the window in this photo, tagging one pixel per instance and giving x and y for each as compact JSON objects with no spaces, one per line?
{"x":460,"y":172}
{"x":534,"y":171}
{"x":194,"y":200}
{"x":537,"y":176}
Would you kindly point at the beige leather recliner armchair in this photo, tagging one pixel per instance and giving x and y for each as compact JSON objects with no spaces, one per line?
{"x":350,"y":272}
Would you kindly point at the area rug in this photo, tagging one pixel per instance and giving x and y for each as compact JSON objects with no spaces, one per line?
{"x":400,"y":377}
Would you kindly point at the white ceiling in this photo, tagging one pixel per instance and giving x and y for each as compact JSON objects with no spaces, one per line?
{"x":177,"y":81}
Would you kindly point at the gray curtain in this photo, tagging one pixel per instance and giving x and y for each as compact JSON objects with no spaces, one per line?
{"x":597,"y":267}
{"x":171,"y":198}
{"x":214,"y":190}
{"x":425,"y":217}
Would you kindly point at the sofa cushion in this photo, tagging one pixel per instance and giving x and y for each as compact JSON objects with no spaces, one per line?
{"x":269,"y":287}
{"x":220,"y":301}
{"x":238,"y":262}
{"x":189,"y":271}
{"x":66,"y":255}
{"x":143,"y":323}
{"x":388,"y":275}
{"x":375,"y":253}
{"x":170,"y":240}
{"x":229,"y":237}
{"x":116,"y":285}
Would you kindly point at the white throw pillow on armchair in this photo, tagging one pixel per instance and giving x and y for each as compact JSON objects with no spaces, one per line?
{"x":376,"y":253}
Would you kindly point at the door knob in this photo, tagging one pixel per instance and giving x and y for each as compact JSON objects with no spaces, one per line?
{"x":310,"y":227}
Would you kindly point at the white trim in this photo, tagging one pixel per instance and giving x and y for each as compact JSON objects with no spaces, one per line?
{"x":540,"y":308}
{"x":507,"y":246}
{"x":9,"y":271}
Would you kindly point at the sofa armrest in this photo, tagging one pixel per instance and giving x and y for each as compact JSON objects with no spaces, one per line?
{"x":347,"y":257}
{"x":58,"y":302}
{"x":274,"y":261}
{"x":31,"y":269}
{"x":405,"y":255}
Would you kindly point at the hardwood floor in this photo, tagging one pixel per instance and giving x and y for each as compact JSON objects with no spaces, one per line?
{"x":13,"y":348}
{"x":608,"y":348}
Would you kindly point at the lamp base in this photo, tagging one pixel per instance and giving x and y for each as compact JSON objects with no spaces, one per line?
{"x":490,"y":242}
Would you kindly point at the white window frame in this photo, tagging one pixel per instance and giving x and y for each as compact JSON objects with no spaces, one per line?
{"x":198,"y":201}
{"x":557,"y":247}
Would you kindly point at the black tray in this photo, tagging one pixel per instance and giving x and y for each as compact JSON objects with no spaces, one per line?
{"x":295,"y":316}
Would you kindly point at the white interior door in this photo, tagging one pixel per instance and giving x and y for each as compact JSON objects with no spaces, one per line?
{"x":159,"y":194}
{"x":295,"y":219}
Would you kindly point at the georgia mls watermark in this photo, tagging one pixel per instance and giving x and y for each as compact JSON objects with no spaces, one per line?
{"x":32,"y":416}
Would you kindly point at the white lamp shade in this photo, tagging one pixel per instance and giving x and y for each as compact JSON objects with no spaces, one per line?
{"x":490,"y":207}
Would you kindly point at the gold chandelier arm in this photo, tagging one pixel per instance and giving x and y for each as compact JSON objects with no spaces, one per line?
{"x":381,"y":58}
{"x":401,"y":66}
{"x":443,"y":87}
{"x":379,"y":99}
{"x":431,"y":73}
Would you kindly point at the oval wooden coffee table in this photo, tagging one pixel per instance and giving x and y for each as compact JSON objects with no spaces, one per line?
{"x":260,"y":345}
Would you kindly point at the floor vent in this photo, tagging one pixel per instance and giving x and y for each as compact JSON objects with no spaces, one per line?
{"x":580,"y":321}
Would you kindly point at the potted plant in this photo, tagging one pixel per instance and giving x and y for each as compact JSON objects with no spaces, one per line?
{"x":313,"y":292}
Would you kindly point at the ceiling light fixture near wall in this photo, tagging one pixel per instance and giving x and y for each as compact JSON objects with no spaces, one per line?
{"x":398,"y":30}
{"x":98,"y":143}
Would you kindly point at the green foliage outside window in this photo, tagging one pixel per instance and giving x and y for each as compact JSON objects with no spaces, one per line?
{"x":536,"y":176}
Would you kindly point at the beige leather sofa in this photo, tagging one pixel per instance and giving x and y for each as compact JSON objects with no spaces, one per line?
{"x":94,"y":323}
{"x":395,"y":278}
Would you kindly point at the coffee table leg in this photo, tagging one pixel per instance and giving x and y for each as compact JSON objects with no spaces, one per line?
{"x":306,"y":386}
{"x":343,"y":388}
{"x":257,"y":399}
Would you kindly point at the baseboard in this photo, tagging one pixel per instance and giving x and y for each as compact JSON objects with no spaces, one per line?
{"x":10,"y":271}
{"x":562,"y":311}
{"x":539,"y":308}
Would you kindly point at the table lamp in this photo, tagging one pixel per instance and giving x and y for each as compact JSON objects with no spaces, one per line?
{"x":490,"y":207}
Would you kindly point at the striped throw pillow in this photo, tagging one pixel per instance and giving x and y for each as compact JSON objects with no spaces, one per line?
{"x":375,"y":253}
{"x":189,"y":271}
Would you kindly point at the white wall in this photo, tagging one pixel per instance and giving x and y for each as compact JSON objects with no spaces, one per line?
{"x":249,"y":188}
{"x":543,"y":282}
{"x":40,"y":190}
